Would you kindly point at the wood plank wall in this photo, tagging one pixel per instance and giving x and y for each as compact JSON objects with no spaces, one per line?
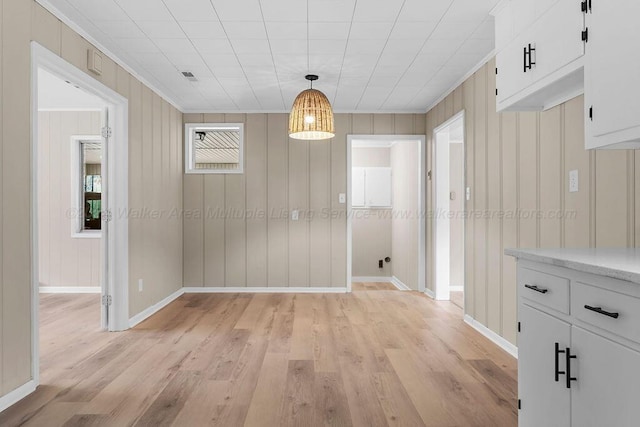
{"x":64,"y":260}
{"x":521,"y":161}
{"x":280,"y":175}
{"x":155,"y":168}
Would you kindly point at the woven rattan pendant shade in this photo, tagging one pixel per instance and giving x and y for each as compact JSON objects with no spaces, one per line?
{"x":311,"y":116}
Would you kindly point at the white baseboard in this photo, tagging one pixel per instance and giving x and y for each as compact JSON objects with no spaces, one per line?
{"x":456,"y":288}
{"x":17,"y":395}
{"x":371,"y":279}
{"x":430,"y":293}
{"x":398,"y":284}
{"x":70,"y":289}
{"x":495,"y":338}
{"x":263,"y":290}
{"x":154,"y":308}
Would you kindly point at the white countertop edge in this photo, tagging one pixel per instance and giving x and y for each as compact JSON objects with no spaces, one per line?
{"x":626,"y":268}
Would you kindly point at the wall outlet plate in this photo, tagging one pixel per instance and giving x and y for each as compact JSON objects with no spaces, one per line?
{"x":574,"y":181}
{"x":342,"y":198}
{"x":295,"y":215}
{"x":140,"y":285}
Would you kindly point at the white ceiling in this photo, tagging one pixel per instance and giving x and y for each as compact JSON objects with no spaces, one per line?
{"x":252,"y":55}
{"x":57,"y":94}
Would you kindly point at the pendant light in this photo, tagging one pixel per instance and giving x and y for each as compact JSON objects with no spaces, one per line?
{"x":311,"y":116}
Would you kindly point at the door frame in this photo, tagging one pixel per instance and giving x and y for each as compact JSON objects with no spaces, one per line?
{"x":442,"y":291}
{"x":422,"y":206}
{"x":117,"y":237}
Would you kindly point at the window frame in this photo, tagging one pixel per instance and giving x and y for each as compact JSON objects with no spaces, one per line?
{"x":189,"y":152}
{"x":76,"y":213}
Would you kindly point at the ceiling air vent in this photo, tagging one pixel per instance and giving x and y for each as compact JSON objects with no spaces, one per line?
{"x":189,"y":75}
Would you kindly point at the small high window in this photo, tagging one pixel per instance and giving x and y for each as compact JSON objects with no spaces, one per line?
{"x":214,"y":148}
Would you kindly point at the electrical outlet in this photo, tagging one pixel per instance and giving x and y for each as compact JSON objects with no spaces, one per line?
{"x":468,"y":193}
{"x":342,"y":198}
{"x":574,"y":181}
{"x":295,"y":215}
{"x":140,"y":285}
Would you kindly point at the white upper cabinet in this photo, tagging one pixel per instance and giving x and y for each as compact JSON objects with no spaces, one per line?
{"x":371,"y":187}
{"x":540,"y":53}
{"x":612,"y":75}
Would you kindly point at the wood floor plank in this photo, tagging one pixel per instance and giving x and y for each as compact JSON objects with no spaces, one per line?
{"x":375,"y":357}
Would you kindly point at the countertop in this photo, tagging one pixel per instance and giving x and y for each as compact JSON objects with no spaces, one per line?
{"x":617,"y":263}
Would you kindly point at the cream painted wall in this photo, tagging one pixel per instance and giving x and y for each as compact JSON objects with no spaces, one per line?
{"x":64,"y":261}
{"x":155,"y":167}
{"x":281,"y":175}
{"x":404,"y":224}
{"x":520,"y":161}
{"x":371,"y":228}
{"x":456,"y":236}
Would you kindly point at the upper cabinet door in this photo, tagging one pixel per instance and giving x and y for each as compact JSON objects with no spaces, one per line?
{"x":542,"y":66}
{"x":612,"y":73}
{"x":558,"y":38}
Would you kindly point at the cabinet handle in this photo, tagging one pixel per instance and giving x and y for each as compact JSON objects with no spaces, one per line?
{"x":525,"y":59}
{"x":558,"y":371}
{"x":569,"y":356}
{"x":531,"y":61}
{"x":536,"y":288}
{"x":599,"y":310}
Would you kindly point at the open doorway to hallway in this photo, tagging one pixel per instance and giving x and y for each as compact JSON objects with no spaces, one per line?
{"x":450,"y":197}
{"x":385,"y":204}
{"x":70,"y":190}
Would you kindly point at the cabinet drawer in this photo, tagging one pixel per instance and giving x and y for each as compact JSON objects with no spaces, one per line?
{"x":546,"y":289}
{"x":611,"y":311}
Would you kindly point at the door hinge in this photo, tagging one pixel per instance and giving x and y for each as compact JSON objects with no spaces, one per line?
{"x":584,"y":6}
{"x":519,"y":327}
{"x":106,"y":132}
{"x":519,"y":404}
{"x":496,"y":92}
{"x":107,"y":215}
{"x":585,"y":35}
{"x":591,"y":113}
{"x":496,"y":70}
{"x":106,"y":300}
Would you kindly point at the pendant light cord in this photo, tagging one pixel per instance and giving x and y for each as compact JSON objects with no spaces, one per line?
{"x":308,"y":45}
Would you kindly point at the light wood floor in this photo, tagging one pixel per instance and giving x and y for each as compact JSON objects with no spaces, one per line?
{"x":371,"y":358}
{"x":457,"y":298}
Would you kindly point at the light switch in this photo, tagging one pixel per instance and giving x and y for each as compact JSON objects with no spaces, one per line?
{"x":342,"y":198}
{"x":574,"y":182}
{"x":295,"y":215}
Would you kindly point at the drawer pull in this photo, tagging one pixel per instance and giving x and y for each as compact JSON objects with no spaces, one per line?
{"x":558,"y":371}
{"x":599,"y":310}
{"x":537,"y":289}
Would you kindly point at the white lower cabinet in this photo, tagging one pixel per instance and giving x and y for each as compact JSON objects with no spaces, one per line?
{"x":578,"y":363}
{"x":538,"y":386}
{"x":607,"y":387}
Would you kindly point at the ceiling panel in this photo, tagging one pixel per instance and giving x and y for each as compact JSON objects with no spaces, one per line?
{"x":371,"y":55}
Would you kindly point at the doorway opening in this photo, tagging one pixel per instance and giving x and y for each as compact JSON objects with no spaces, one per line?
{"x":385,"y":212}
{"x":450,"y":197}
{"x":79,"y":219}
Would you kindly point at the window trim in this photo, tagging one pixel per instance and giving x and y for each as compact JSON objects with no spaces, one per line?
{"x":75,"y":211}
{"x":189,"y":152}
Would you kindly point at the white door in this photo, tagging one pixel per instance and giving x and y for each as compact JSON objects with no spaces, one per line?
{"x":607,"y":387}
{"x":104,"y":282}
{"x":545,"y":399}
{"x":612,"y":68}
